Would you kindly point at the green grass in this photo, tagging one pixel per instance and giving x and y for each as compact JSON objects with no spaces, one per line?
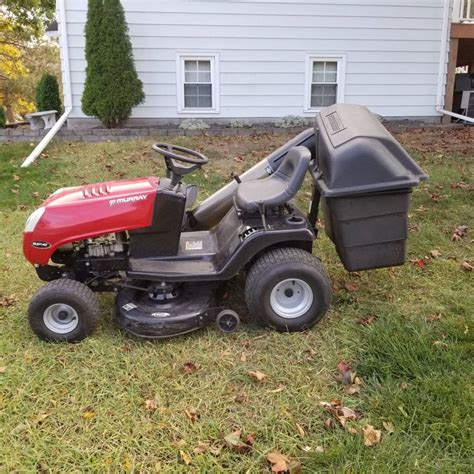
{"x":416,"y":370}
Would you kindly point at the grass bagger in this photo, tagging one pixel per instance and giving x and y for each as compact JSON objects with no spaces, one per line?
{"x":168,"y":259}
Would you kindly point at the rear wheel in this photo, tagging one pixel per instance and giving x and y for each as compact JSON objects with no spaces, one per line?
{"x":288,"y":289}
{"x":63,"y":310}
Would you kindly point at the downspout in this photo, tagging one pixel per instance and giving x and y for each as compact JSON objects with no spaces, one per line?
{"x":61,"y":8}
{"x":442,"y":66}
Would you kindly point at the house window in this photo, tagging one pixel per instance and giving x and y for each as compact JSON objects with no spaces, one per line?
{"x":324,"y":81}
{"x":197,"y":84}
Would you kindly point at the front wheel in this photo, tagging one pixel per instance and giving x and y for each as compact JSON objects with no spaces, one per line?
{"x":288,"y":289}
{"x":63,"y":310}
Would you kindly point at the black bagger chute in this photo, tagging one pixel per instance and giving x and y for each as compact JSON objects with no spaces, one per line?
{"x":365,"y":179}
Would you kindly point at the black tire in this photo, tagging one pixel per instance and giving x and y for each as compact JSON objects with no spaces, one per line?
{"x":271,"y":271}
{"x":63,"y":297}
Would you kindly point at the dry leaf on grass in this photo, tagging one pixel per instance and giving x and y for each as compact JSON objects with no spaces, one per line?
{"x":388,"y":427}
{"x":342,"y":414}
{"x":350,"y":287}
{"x":185,"y":457}
{"x":202,"y":448}
{"x":257,"y":375}
{"x":367,"y":321}
{"x":418,"y":262}
{"x":433,"y":317}
{"x":189,"y":368}
{"x":466,"y":266}
{"x":283,"y":464}
{"x":371,"y":435}
{"x":89,"y":414}
{"x":191,"y":414}
{"x":435,"y":253}
{"x":3,"y":369}
{"x":279,"y":389}
{"x":150,"y":405}
{"x":459,"y":233}
{"x":235,"y":443}
{"x":300,"y":429}
{"x":6,"y":301}
{"x":241,"y":397}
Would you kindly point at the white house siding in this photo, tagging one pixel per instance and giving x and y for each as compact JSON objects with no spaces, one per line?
{"x":392,"y":51}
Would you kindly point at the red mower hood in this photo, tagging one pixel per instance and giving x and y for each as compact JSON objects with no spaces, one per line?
{"x":81,"y":212}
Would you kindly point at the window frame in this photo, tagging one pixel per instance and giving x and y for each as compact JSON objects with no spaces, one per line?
{"x":340,"y":59}
{"x":180,"y":76}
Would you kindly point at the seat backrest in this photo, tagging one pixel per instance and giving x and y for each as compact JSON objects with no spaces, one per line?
{"x":293,"y":168}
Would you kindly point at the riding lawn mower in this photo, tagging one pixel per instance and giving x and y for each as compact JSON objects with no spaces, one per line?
{"x":168,"y":259}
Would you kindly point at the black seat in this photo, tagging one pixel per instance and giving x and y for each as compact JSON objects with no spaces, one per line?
{"x":278,"y":188}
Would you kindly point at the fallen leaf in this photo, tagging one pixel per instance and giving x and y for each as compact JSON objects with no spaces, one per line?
{"x":310,"y":352}
{"x":367,"y":321}
{"x":388,"y":427}
{"x":466,"y":266}
{"x":350,"y":287}
{"x":191,"y":414}
{"x":38,"y":419}
{"x":330,"y":424}
{"x":435,"y":253}
{"x":8,"y":301}
{"x":352,"y":430}
{"x":88,"y":414}
{"x":346,"y":374}
{"x":15,"y":191}
{"x":278,"y":461}
{"x":319,"y":449}
{"x":150,"y":405}
{"x":189,"y":368}
{"x":459,"y":232}
{"x":433,"y":317}
{"x":16,"y":177}
{"x":241,"y":397}
{"x":234,"y":442}
{"x":185,"y":457}
{"x":300,"y":429}
{"x":127,"y":464}
{"x":418,"y":262}
{"x":352,"y":389}
{"x":371,"y":435}
{"x":243,"y":357}
{"x":257,"y":375}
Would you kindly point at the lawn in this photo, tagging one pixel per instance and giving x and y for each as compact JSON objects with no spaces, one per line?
{"x":116,"y":403}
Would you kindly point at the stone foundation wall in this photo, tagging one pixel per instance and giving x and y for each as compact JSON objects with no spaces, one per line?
{"x":24,"y":134}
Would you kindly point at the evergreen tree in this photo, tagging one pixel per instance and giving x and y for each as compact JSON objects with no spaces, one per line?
{"x":112,"y":85}
{"x":47,"y":94}
{"x":3,"y":118}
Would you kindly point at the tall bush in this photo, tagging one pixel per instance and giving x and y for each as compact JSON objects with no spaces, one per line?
{"x":112,"y":85}
{"x":47,"y":94}
{"x":3,"y":118}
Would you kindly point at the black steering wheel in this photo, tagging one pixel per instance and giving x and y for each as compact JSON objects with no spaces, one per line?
{"x":173,"y":160}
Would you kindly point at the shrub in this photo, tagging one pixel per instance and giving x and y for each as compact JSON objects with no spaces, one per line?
{"x":3,"y":118}
{"x":47,"y":94}
{"x":112,"y":86}
{"x":193,"y":124}
{"x":240,"y":124}
{"x":291,"y":121}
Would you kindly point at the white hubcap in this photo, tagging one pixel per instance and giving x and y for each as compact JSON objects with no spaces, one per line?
{"x":60,"y":318}
{"x":291,"y":298}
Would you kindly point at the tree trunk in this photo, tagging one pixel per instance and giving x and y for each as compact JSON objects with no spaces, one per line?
{"x":10,"y":114}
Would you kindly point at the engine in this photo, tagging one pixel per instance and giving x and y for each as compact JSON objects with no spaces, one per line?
{"x":106,"y":246}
